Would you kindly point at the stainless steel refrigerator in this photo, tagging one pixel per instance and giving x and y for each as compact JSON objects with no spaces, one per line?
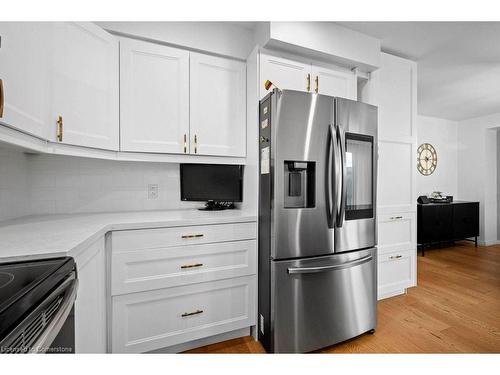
{"x":317,"y":220}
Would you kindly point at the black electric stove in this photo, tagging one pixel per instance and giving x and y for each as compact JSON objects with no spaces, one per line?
{"x":25,"y":285}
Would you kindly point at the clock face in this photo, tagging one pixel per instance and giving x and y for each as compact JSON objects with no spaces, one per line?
{"x":426,"y":159}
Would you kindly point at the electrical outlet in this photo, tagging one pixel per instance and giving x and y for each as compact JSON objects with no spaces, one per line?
{"x":153,"y":191}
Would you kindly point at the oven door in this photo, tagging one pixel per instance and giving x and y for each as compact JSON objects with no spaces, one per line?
{"x":321,"y":301}
{"x":50,"y":327}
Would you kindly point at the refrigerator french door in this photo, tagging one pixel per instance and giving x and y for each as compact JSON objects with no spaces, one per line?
{"x":317,"y":255}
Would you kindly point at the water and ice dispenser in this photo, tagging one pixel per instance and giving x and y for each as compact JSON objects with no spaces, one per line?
{"x":299,"y":182}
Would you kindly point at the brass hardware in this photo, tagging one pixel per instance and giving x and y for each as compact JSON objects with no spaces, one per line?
{"x":198,"y":235}
{"x":395,"y":256}
{"x":192,"y":313}
{"x":267,"y":84}
{"x":396,"y":217}
{"x":1,"y":98}
{"x":60,"y":128}
{"x":185,"y":143}
{"x":195,"y":144}
{"x":317,"y":83}
{"x":192,"y":265}
{"x":308,"y":82}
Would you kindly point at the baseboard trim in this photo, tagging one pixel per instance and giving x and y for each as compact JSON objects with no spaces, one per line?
{"x":204,"y":341}
{"x":488,"y":243}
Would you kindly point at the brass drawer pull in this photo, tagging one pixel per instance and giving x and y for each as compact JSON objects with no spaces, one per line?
{"x":195,"y":144}
{"x":192,"y":265}
{"x":396,"y":217}
{"x":395,"y":256}
{"x":198,"y":235}
{"x":308,"y":82}
{"x":317,"y":84}
{"x":60,"y":128}
{"x":192,"y":313}
{"x":185,"y":143}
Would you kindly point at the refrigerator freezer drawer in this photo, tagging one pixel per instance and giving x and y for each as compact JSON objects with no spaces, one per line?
{"x":321,"y":301}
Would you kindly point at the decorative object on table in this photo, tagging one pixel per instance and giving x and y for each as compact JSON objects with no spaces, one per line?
{"x":426,"y":159}
{"x":423,"y":199}
{"x":439,"y":197}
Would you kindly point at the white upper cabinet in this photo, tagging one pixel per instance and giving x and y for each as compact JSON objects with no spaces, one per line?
{"x":154,"y":98}
{"x":396,"y":97}
{"x":84,"y":81}
{"x":24,"y":71}
{"x":284,"y":74}
{"x":333,"y":82}
{"x":217,"y":106}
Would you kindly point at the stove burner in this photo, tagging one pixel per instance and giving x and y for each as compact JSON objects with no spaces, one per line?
{"x":5,"y":278}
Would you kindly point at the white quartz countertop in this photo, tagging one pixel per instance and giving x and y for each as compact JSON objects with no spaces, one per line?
{"x":61,"y":235}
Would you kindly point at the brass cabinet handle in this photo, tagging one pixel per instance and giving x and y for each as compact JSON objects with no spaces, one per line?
{"x":192,"y":313}
{"x":185,"y":143}
{"x":317,"y":83}
{"x":1,"y":98}
{"x":195,"y":144}
{"x":191,"y":265}
{"x":396,"y":217}
{"x":395,"y":256}
{"x":60,"y":128}
{"x":308,"y":82}
{"x":198,"y":235}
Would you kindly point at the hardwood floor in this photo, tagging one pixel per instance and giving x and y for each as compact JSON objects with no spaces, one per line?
{"x":455,"y":308}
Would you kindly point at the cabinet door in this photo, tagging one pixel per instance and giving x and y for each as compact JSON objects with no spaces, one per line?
{"x":154,"y":98}
{"x":217,"y":106}
{"x":397,"y":98}
{"x":396,"y":272}
{"x":284,"y":74}
{"x":333,"y":82}
{"x":85,"y":85}
{"x":24,"y":71}
{"x":465,"y":220}
{"x":435,"y":223}
{"x":90,"y":304}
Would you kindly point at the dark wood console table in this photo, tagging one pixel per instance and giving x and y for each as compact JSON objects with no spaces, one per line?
{"x":443,"y":222}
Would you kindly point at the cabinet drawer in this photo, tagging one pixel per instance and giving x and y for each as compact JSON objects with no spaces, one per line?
{"x":160,"y":318}
{"x":396,"y":271}
{"x":173,"y":266}
{"x":131,"y":240}
{"x":396,"y":231}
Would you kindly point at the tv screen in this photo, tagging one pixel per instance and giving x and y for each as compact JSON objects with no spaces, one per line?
{"x":211,"y":182}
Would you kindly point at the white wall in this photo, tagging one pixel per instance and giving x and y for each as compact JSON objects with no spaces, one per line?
{"x":14,"y":191}
{"x":222,"y":38}
{"x":477,"y":170}
{"x":443,"y":135}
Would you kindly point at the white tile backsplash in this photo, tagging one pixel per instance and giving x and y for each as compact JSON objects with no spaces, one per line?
{"x":49,"y":184}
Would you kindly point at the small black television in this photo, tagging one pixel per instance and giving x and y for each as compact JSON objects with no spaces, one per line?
{"x":211,"y":183}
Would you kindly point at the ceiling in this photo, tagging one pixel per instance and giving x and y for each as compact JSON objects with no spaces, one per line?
{"x":458,"y":63}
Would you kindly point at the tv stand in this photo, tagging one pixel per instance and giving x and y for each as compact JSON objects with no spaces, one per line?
{"x":218,"y":206}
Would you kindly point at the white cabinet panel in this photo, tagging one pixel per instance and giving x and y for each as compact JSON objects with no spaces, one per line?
{"x":396,"y":231}
{"x":284,"y":74}
{"x":396,"y":98}
{"x":135,"y":240}
{"x":155,"y":319}
{"x":154,"y":98}
{"x":396,"y":180}
{"x":396,"y":272}
{"x":84,"y":81}
{"x":334,"y":82}
{"x":90,"y":305}
{"x":217,"y":106}
{"x":24,"y":71}
{"x":149,"y":269}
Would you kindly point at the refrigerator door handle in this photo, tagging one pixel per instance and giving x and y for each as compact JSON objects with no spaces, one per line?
{"x":331,"y":175}
{"x":352,"y":263}
{"x":342,"y":198}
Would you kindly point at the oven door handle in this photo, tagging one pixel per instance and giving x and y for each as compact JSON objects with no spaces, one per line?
{"x":70,"y":287}
{"x":352,"y":263}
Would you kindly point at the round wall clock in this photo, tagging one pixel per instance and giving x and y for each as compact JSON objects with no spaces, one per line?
{"x":426,"y":159}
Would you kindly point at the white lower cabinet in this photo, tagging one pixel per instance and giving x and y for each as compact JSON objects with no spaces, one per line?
{"x":176,"y":285}
{"x":396,"y":272}
{"x":90,"y":304}
{"x":160,"y":318}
